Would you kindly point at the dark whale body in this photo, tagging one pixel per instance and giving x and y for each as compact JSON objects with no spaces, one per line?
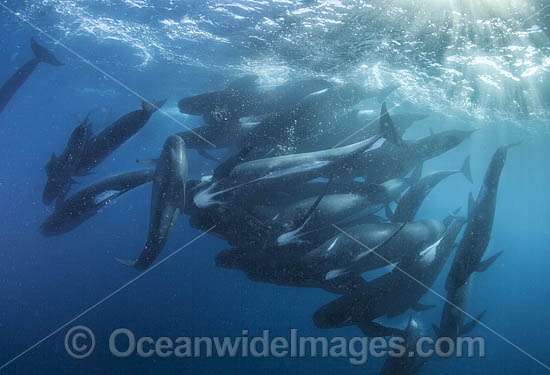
{"x":10,"y":87}
{"x":84,"y":204}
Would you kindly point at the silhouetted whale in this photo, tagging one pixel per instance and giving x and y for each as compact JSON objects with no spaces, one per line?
{"x":481,"y":214}
{"x":167,"y":201}
{"x":411,"y":201}
{"x":84,"y":204}
{"x":396,"y":159}
{"x":395,"y":292}
{"x":10,"y":87}
{"x":236,"y":176}
{"x":99,"y":147}
{"x":244,"y":97}
{"x":60,"y":170}
{"x":452,"y":318}
{"x":406,"y":364}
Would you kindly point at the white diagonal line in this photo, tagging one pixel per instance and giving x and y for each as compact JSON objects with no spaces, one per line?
{"x":124,"y":86}
{"x":532,"y":16}
{"x":104,"y":299}
{"x":445,"y":300}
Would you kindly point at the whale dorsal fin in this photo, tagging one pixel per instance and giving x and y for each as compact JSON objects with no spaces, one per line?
{"x":387,"y":126}
{"x":466,"y":170}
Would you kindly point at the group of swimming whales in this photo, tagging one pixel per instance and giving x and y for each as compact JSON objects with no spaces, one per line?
{"x":296,"y":210}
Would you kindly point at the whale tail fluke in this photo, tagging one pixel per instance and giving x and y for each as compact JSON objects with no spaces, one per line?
{"x":43,"y":55}
{"x":152,"y":106}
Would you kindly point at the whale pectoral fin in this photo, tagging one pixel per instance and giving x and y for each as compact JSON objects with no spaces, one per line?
{"x":421,"y":307}
{"x":314,"y":206}
{"x":484,"y":265}
{"x":467,"y":328}
{"x":125,"y":262}
{"x":358,"y":270}
{"x":466,"y":170}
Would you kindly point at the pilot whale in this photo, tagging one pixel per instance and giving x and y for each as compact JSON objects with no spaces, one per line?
{"x":84,"y":204}
{"x":452,"y":323}
{"x":244,"y":97}
{"x":167,"y":201}
{"x":396,"y":159}
{"x":60,"y":170}
{"x":291,"y":268}
{"x":406,"y":364}
{"x":395,"y":292}
{"x":481,"y":214}
{"x":10,"y":87}
{"x":100,"y":146}
{"x":305,"y":126}
{"x":237,"y":175}
{"x":411,"y":201}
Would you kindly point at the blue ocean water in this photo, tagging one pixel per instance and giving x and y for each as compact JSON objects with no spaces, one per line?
{"x":467,"y":64}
